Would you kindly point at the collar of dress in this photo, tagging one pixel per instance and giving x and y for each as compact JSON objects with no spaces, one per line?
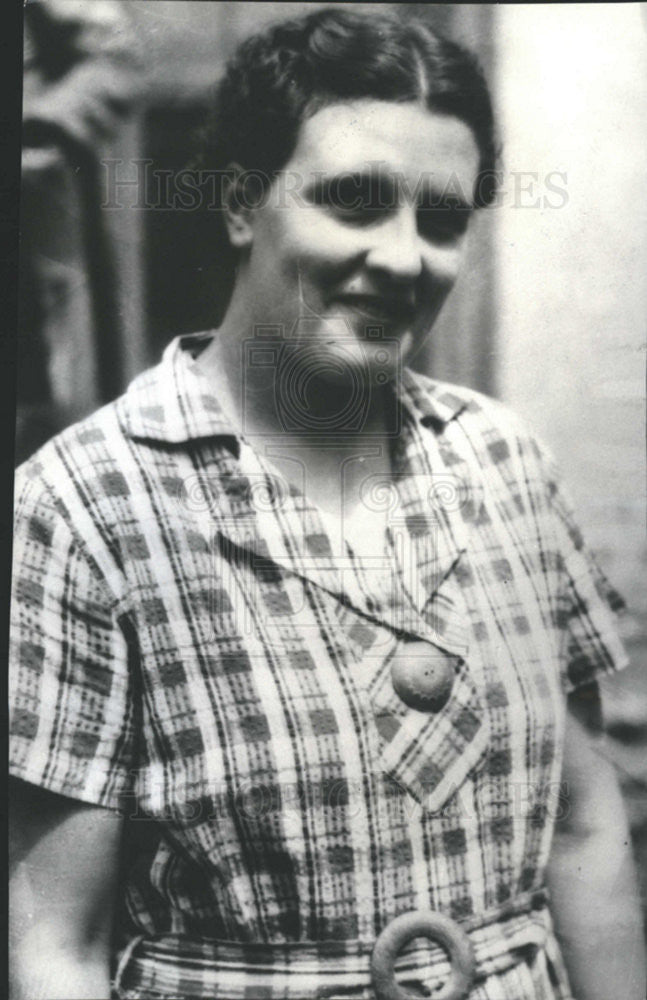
{"x":173,"y":402}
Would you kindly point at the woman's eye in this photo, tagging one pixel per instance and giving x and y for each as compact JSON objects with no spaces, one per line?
{"x":353,"y":199}
{"x":361,"y":201}
{"x":443,"y":223}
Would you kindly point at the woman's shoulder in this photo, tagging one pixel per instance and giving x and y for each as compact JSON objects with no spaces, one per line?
{"x":485,"y":440}
{"x":73,"y":495}
{"x":84,"y":450}
{"x":93,"y":455}
{"x":475,"y":412}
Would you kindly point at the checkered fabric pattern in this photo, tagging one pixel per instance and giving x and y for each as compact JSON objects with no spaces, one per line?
{"x":188,"y":647}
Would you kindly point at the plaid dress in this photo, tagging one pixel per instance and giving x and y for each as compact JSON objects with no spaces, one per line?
{"x":190,"y":647}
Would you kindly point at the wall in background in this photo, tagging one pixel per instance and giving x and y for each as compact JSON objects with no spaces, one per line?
{"x":571,"y":308}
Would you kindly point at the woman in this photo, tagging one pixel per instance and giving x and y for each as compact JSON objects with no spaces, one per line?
{"x":296,"y":629}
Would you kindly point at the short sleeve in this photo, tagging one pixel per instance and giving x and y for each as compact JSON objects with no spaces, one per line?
{"x":587,"y":604}
{"x":70,"y":719}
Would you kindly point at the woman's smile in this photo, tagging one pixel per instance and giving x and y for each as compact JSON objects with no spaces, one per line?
{"x":392,"y":312}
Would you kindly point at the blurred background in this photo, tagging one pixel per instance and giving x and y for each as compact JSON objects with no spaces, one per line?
{"x":549,"y":313}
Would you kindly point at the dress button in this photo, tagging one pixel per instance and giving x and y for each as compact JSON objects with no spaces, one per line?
{"x":423,"y":676}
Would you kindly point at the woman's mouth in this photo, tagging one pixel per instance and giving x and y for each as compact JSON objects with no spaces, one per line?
{"x":385,"y":310}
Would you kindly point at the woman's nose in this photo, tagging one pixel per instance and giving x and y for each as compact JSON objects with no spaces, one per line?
{"x":397,"y":247}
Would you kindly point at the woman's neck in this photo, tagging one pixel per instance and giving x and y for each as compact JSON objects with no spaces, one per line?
{"x":268,"y":395}
{"x":330,"y":460}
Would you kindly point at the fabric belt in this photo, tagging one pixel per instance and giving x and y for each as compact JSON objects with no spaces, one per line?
{"x":176,"y":966}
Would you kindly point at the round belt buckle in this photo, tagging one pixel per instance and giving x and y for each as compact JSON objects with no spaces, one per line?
{"x":438,"y":928}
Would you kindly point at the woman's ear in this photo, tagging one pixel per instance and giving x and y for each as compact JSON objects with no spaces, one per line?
{"x":237,"y":211}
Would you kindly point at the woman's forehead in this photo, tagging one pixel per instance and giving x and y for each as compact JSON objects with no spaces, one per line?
{"x":385,"y":137}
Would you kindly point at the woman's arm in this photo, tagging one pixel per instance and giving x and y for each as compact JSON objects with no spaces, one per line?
{"x":63,"y":875}
{"x":591,"y":875}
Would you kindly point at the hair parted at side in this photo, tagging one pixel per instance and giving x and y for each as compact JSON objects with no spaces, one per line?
{"x":284,"y":74}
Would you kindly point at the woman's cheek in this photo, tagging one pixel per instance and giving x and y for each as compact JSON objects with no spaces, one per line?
{"x":324,"y":238}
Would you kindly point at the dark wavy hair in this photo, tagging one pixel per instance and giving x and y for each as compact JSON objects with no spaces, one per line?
{"x":283,"y":75}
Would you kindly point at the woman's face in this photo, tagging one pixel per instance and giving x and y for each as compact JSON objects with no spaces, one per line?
{"x":360,"y":238}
